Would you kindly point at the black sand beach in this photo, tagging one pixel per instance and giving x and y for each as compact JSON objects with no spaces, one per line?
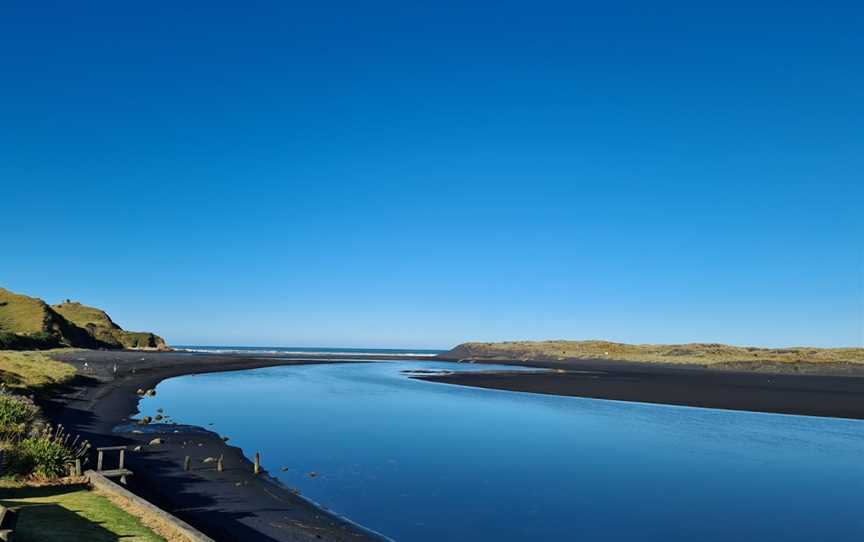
{"x":234,"y":505}
{"x":833,"y":390}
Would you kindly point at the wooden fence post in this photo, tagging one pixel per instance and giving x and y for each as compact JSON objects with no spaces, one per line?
{"x":187,"y":463}
{"x":220,"y":466}
{"x":99,"y":461}
{"x":257,"y":467}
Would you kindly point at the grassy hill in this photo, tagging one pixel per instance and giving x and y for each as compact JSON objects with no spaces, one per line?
{"x":82,"y":315}
{"x":30,"y":323}
{"x":699,"y":353}
{"x":103,"y":329}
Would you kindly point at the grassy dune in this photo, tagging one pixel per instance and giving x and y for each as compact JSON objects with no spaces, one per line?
{"x":32,"y":370}
{"x":700,"y":353}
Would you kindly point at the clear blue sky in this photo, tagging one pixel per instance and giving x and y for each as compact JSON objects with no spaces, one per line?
{"x":391,"y":174}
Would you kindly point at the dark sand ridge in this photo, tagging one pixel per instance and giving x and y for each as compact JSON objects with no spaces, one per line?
{"x":230,"y":505}
{"x":826,"y":389}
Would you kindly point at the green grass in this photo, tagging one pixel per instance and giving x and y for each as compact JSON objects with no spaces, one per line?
{"x":701,"y":353}
{"x":32,"y":370}
{"x":22,"y":314}
{"x":66,"y":513}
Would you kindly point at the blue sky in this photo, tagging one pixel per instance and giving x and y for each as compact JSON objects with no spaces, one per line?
{"x":389,"y":174}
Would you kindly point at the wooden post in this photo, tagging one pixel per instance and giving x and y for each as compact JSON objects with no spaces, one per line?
{"x":99,"y":461}
{"x":77,"y":467}
{"x":220,"y":466}
{"x":257,"y":468}
{"x":187,"y":463}
{"x":122,"y":458}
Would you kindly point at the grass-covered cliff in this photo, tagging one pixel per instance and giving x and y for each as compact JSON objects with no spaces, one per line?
{"x":30,"y":323}
{"x":99,"y":325}
{"x":699,"y":353}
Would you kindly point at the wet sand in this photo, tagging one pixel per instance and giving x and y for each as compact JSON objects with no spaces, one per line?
{"x":833,"y":391}
{"x":234,"y":505}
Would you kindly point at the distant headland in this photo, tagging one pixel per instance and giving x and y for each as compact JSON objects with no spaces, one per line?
{"x":694,"y":353}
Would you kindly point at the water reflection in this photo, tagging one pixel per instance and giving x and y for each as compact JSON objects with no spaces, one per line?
{"x":428,"y":462}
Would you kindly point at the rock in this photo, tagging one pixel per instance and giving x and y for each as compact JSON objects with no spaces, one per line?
{"x":158,"y":417}
{"x":156,"y":441}
{"x":140,"y":392}
{"x":145,"y":420}
{"x":313,"y":474}
{"x":137,"y":432}
{"x":150,"y":393}
{"x":136,"y":449}
{"x":159,"y":410}
{"x":224,"y":439}
{"x":208,"y":460}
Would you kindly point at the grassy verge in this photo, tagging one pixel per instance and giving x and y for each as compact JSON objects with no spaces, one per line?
{"x":63,"y":513}
{"x":32,"y":370}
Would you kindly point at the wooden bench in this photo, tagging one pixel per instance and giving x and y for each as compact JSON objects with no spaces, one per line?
{"x":8,"y":520}
{"x":120,"y":472}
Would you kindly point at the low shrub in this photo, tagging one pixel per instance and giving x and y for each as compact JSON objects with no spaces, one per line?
{"x":18,"y":414}
{"x":29,"y":446}
{"x":47,"y":455}
{"x":40,"y":457}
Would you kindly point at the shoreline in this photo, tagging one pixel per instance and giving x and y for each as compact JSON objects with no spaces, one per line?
{"x":231,"y":505}
{"x":805,"y":390}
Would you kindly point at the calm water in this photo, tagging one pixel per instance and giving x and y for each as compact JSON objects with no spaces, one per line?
{"x":421,"y":461}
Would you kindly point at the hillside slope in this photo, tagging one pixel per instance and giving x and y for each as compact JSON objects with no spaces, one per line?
{"x":698,"y":353}
{"x":102,"y":327}
{"x":30,"y":323}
